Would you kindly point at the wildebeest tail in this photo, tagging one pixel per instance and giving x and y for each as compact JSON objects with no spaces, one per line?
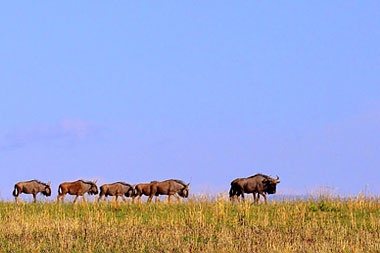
{"x":135,"y":191}
{"x":232,"y":192}
{"x":15,"y":191}
{"x":102,"y":191}
{"x":59,"y":190}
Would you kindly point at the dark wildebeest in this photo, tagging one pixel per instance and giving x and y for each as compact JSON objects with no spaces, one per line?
{"x":119,"y":189}
{"x":78,"y":188}
{"x":258,"y":184}
{"x":143,"y":189}
{"x":31,"y":187}
{"x":170,"y":187}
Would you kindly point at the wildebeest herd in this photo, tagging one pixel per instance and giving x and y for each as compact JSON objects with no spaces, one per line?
{"x":258,"y":184}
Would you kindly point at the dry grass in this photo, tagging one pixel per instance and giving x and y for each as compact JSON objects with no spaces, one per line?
{"x":335,"y":225}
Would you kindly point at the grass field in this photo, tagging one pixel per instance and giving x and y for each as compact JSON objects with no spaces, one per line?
{"x":322,"y":225}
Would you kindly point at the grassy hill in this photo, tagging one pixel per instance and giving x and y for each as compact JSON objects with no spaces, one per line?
{"x":349,"y":225}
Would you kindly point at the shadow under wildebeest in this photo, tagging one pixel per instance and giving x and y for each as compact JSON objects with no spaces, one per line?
{"x":119,"y":189}
{"x":78,"y":188}
{"x":258,"y":184}
{"x":31,"y":187}
{"x":171,"y":187}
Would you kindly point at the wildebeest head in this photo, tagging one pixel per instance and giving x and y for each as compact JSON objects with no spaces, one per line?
{"x":130,"y":192}
{"x":93,"y":189}
{"x":184,"y":192}
{"x":47,"y":190}
{"x":270,"y":185}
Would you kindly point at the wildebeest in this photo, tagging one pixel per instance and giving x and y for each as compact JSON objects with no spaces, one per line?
{"x":257,"y":184}
{"x":143,"y":189}
{"x":78,"y":188}
{"x":31,"y":187}
{"x":171,"y":187}
{"x":119,"y":189}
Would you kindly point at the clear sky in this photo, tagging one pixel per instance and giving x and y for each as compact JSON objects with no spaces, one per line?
{"x":204,"y":91}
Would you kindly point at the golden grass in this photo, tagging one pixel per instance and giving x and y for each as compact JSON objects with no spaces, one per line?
{"x":331,"y":225}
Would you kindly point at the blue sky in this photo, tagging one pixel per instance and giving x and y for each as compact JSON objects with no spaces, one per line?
{"x":203,"y":91}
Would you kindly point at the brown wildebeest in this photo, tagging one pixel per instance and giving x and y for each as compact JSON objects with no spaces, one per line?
{"x":169,"y":187}
{"x":258,"y":184}
{"x":117,"y":189}
{"x":143,"y":189}
{"x":78,"y":188}
{"x":31,"y":187}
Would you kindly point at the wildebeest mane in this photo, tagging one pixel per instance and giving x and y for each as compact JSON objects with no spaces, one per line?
{"x":259,"y":174}
{"x":37,"y":181}
{"x":123,"y":183}
{"x":178,"y":181}
{"x":86,"y":182}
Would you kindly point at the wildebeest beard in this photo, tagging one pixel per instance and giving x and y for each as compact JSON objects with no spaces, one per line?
{"x":93,"y":190}
{"x":130,"y":192}
{"x":47,"y":191}
{"x":270,"y":188}
{"x":184,"y":193}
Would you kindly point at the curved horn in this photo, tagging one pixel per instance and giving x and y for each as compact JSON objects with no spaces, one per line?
{"x":277,"y":177}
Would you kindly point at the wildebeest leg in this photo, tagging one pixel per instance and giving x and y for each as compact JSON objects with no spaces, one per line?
{"x":76,"y":198}
{"x":242,"y":195}
{"x":16,"y":199}
{"x":115,"y":198}
{"x":100,"y":197}
{"x":232,"y":196}
{"x":178,"y":198}
{"x":139,"y":199}
{"x":83,"y":198}
{"x":157,"y":199}
{"x":265,"y":197}
{"x":254,"y":197}
{"x":60,"y":196}
{"x":34,"y":198}
{"x":124,"y":199}
{"x":169,"y":198}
